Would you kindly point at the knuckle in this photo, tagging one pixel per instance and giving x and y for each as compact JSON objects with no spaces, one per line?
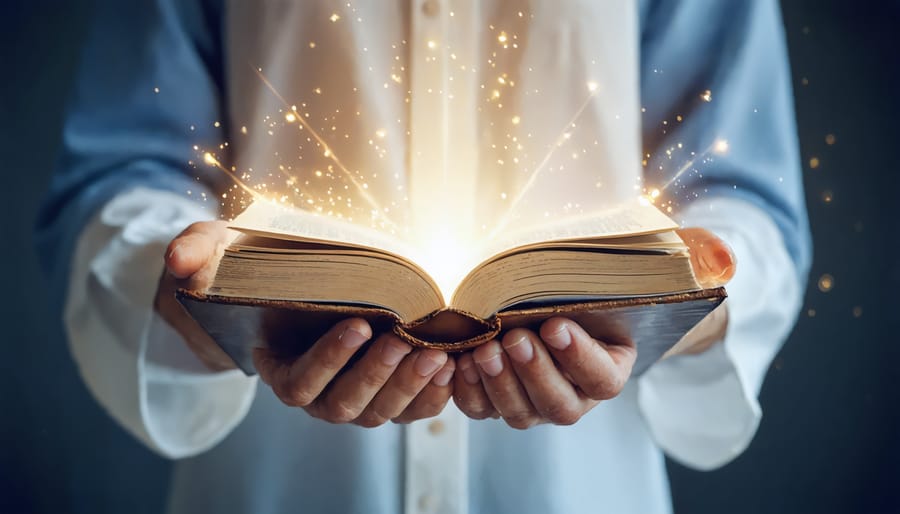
{"x":604,"y":387}
{"x":561,"y":414}
{"x":472,"y":408}
{"x":520,"y":421}
{"x":372,"y":379}
{"x":340,"y":412}
{"x":370,"y":420}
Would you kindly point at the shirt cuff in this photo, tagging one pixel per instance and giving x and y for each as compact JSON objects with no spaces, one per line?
{"x":134,"y":364}
{"x":702,"y":409}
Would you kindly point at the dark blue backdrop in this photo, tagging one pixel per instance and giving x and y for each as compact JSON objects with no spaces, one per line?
{"x":828,"y":441}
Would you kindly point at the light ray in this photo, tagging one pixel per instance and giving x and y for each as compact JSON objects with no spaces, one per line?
{"x":328,"y":152}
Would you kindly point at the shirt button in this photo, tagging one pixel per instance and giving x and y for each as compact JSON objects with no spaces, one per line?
{"x":436,"y":427}
{"x":431,"y":8}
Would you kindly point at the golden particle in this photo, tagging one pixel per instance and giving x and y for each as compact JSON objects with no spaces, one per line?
{"x":814,"y":162}
{"x":334,"y":17}
{"x":827,"y":196}
{"x":826,"y":283}
{"x":830,"y":139}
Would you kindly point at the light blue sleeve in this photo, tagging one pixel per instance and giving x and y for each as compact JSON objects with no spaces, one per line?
{"x":703,"y":409}
{"x":735,"y":50}
{"x":119,"y":133}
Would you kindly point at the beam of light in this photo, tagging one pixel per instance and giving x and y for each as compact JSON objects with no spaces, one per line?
{"x":329,"y":153}
{"x":211,"y":160}
{"x":564,"y":135}
{"x":718,"y":147}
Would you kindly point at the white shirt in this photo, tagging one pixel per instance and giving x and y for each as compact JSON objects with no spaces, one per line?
{"x":701,"y":409}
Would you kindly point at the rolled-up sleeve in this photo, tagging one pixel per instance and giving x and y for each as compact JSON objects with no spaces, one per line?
{"x":147,"y":92}
{"x":715,"y":76}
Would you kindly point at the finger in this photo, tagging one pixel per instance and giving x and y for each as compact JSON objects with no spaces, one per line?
{"x":600,"y":370}
{"x":411,"y":376}
{"x":299,"y":383}
{"x":351,"y":392}
{"x":503,"y":387}
{"x":468,"y":392}
{"x":196,"y":246}
{"x":711,"y":258}
{"x":552,"y":394}
{"x":433,"y":398}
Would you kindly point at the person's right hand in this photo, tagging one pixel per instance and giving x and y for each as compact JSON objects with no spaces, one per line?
{"x":390,"y":382}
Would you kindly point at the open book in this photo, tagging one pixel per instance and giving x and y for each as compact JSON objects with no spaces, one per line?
{"x":618,"y":273}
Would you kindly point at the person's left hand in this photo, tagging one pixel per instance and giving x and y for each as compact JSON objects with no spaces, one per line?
{"x":561,"y":373}
{"x":552,"y":377}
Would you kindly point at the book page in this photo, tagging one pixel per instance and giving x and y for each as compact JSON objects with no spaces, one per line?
{"x":629,"y":219}
{"x":270,"y":219}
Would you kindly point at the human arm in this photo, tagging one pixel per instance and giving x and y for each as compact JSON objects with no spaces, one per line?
{"x":702,"y":408}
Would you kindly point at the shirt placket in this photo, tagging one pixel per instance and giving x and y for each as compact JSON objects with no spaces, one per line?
{"x":442,"y":178}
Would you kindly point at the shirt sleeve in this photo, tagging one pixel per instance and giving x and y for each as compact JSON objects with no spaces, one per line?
{"x":717,"y":71}
{"x":134,"y":364}
{"x":146,"y":100}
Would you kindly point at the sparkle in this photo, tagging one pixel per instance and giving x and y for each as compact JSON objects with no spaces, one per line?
{"x":826,"y":283}
{"x":156,"y":90}
{"x":827,"y":196}
{"x":334,"y":17}
{"x":432,"y":44}
{"x":502,"y":37}
{"x":814,"y":162}
{"x":706,"y":96}
{"x":720,"y":147}
{"x":516,"y":120}
{"x":381,"y":133}
{"x":654,"y":193}
{"x":312,"y":44}
{"x":592,"y":86}
{"x":290,"y":117}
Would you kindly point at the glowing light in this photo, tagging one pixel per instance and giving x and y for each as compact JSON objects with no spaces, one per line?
{"x":826,"y":283}
{"x":592,"y":86}
{"x":814,"y":162}
{"x":290,"y":117}
{"x":706,"y":96}
{"x":720,"y":146}
{"x":654,"y":193}
{"x":210,"y":159}
{"x":516,"y":120}
{"x":156,"y":90}
{"x":334,"y":17}
{"x":243,"y":129}
{"x":432,"y":44}
{"x":502,"y":38}
{"x":381,"y":133}
{"x":830,"y":139}
{"x":312,"y":44}
{"x":827,"y":196}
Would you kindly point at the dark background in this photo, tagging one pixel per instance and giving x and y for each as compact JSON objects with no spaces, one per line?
{"x":828,"y":441}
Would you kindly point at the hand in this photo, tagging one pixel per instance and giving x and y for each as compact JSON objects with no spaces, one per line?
{"x":390,"y":382}
{"x":555,"y":378}
{"x":561,"y":375}
{"x":192,"y":259}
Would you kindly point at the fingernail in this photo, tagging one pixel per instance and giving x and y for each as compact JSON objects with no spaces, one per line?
{"x":426,"y":365}
{"x":493,"y":365}
{"x":392,"y":353}
{"x":470,"y":374}
{"x":520,"y":350}
{"x":561,"y":339}
{"x":352,"y":338}
{"x":444,"y":376}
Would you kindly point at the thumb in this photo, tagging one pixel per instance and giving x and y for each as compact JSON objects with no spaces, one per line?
{"x":195,"y":248}
{"x":711,"y":258}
